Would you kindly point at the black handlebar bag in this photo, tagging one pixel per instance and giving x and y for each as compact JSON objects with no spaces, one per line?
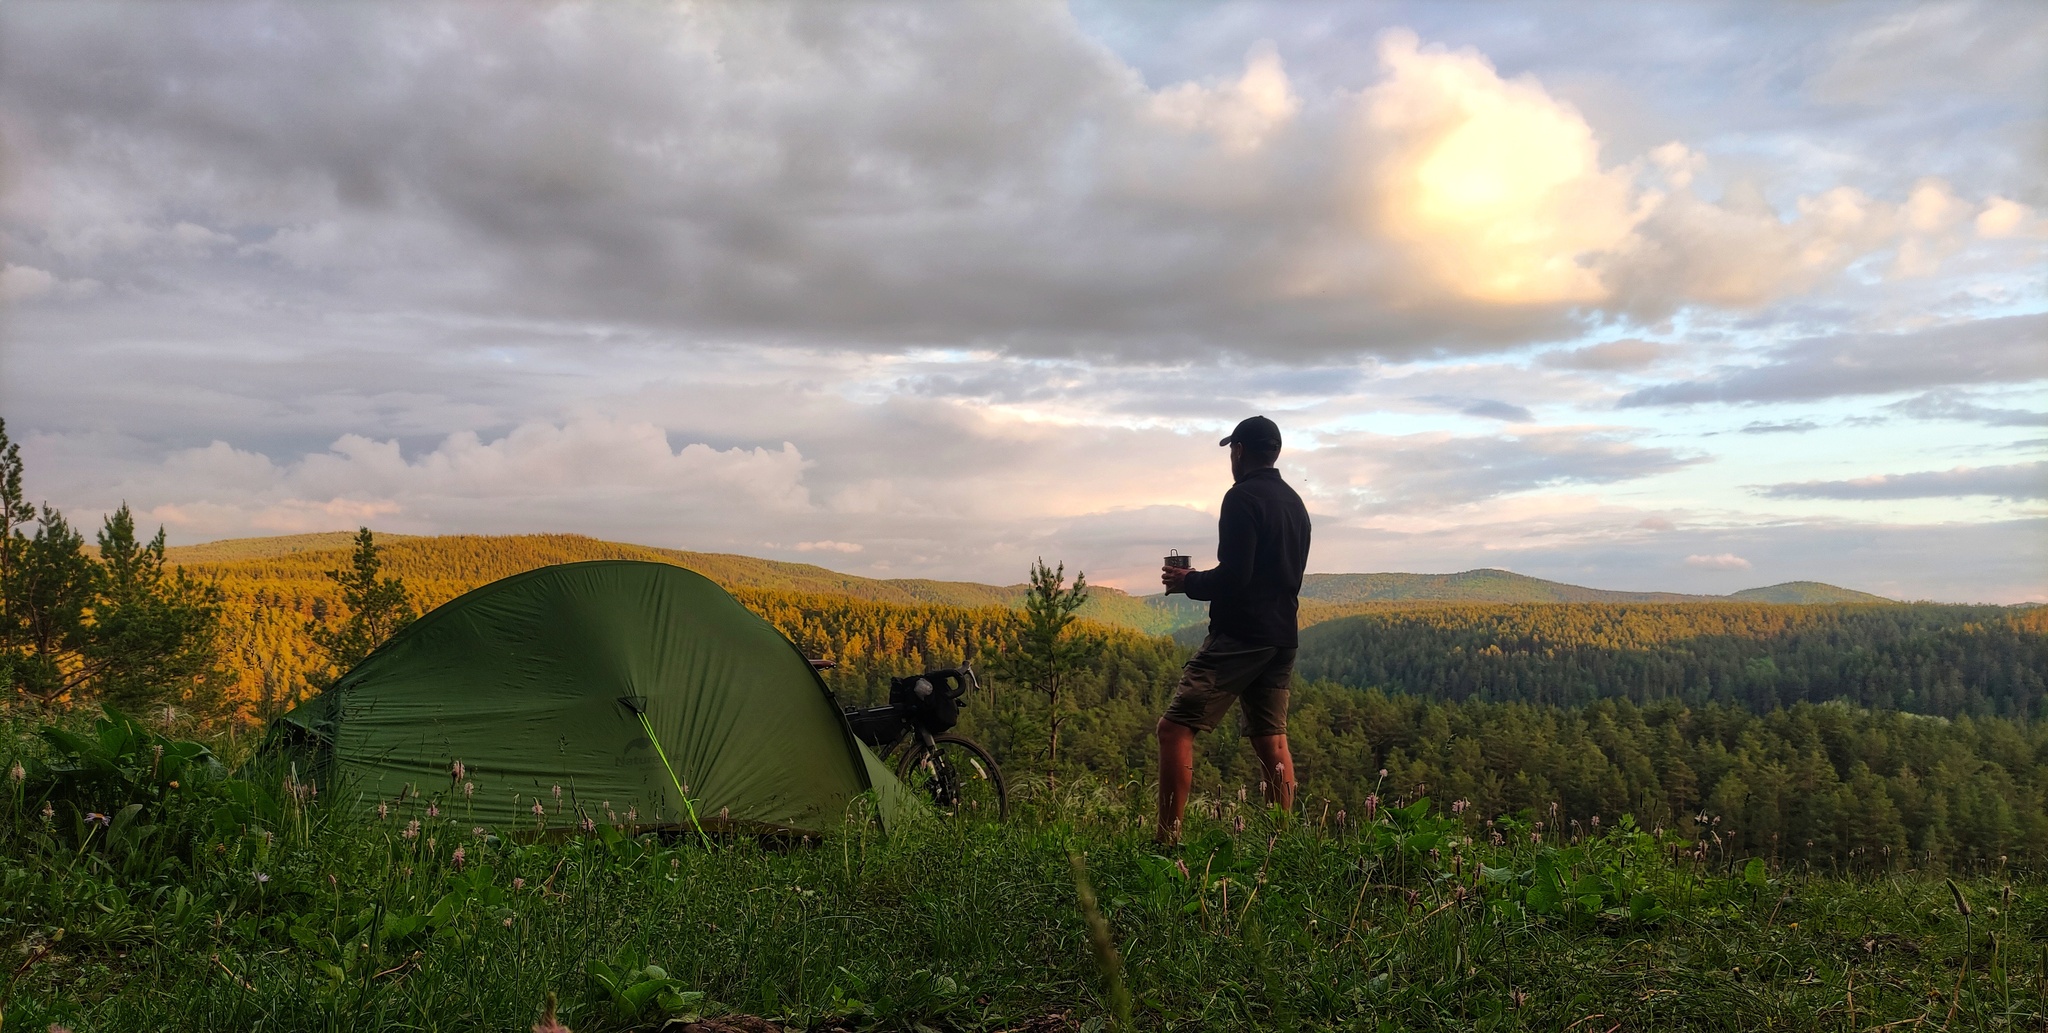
{"x":937,"y":706}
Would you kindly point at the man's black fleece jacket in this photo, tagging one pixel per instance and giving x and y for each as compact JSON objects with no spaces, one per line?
{"x":1255,"y":588}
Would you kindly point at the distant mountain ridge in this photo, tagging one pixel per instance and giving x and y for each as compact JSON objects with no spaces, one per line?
{"x":477,"y":559}
{"x":1488,"y":585}
{"x":1806,"y":592}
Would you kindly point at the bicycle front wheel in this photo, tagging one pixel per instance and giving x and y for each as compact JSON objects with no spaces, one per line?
{"x":958,"y":777}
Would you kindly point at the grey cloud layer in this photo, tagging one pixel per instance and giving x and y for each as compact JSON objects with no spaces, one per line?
{"x":782,"y":172}
{"x":1421,"y":472}
{"x":791,"y":173}
{"x":2015,"y":481}
{"x":1953,"y":405}
{"x":2009,"y":349}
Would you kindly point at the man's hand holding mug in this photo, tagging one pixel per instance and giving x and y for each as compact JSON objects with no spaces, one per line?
{"x":1174,"y":573}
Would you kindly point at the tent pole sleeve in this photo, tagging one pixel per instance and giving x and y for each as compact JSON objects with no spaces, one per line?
{"x":688,"y":807}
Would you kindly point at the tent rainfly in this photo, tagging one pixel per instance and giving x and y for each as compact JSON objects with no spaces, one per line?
{"x":637,"y":688}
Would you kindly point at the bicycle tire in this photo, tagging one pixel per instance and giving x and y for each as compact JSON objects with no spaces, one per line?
{"x":941,"y":779}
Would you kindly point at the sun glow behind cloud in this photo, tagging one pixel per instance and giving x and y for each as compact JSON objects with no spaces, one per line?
{"x":1494,"y":184}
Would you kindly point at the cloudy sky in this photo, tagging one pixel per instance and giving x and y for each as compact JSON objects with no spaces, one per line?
{"x":1681,"y":297}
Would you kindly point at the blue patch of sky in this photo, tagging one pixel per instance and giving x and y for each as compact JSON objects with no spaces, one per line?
{"x":1838,"y":449}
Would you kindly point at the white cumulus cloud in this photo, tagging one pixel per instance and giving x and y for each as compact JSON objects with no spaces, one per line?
{"x":1239,"y":115}
{"x":581,"y":472}
{"x":1718,"y":561}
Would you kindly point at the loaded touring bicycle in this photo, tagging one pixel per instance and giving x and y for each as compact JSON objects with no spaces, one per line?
{"x":957,"y":774}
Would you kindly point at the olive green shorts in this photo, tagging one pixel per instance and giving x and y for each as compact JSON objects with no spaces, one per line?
{"x":1226,"y":671}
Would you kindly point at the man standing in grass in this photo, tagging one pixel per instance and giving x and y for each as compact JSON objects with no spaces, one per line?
{"x":1253,"y":594}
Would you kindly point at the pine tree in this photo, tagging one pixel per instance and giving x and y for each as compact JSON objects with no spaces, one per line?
{"x":49,"y":591}
{"x":14,"y":512}
{"x":154,"y":634}
{"x":118,"y":629}
{"x":1045,"y":652}
{"x":378,"y":609}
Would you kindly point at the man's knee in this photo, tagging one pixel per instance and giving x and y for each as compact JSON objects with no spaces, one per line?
{"x":1169,"y":730}
{"x":1273,"y":751}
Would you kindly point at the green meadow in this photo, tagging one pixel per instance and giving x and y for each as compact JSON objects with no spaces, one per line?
{"x":142,"y":886}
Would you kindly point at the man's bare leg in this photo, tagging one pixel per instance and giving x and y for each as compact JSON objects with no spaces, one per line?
{"x":1277,"y":763}
{"x":1176,"y":777}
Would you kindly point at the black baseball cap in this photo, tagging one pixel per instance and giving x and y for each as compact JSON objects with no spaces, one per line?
{"x":1254,"y":431}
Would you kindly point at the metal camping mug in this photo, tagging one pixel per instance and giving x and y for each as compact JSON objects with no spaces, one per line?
{"x":1179,"y":562}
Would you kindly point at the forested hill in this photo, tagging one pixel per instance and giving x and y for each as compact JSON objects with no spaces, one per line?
{"x":1402,"y":639}
{"x":274,"y":589}
{"x":438,"y":569}
{"x":1922,"y":658}
{"x":1804,"y":592}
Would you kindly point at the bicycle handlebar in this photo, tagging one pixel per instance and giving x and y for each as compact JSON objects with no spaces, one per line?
{"x":956,"y":681}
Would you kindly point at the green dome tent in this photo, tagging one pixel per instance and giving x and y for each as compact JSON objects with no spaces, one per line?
{"x":621,"y":682}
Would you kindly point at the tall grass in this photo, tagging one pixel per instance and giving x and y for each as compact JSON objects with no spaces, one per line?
{"x":253,"y":904}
